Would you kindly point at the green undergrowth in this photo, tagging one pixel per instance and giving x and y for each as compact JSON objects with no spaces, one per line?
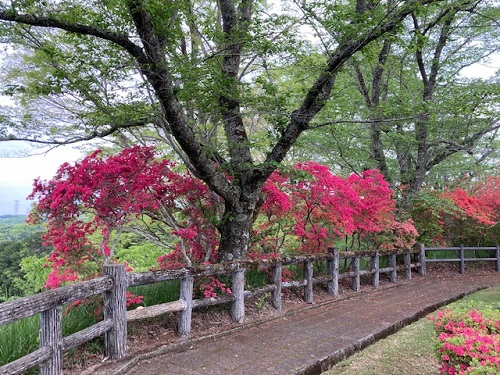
{"x":154,"y":294}
{"x":20,"y":338}
{"x":411,"y":350}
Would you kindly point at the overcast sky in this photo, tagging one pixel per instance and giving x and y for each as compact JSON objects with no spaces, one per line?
{"x":18,"y":173}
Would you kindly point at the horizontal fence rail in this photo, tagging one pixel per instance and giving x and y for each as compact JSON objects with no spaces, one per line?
{"x":49,"y":306}
{"x":463,"y":255}
{"x":114,"y":283}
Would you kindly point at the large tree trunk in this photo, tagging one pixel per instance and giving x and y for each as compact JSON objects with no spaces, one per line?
{"x":235,"y":227}
{"x":429,"y":81}
{"x":235,"y":237}
{"x":372,"y":101}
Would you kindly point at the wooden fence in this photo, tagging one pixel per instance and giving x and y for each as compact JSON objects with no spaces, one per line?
{"x":461,"y":252}
{"x":115,"y":281}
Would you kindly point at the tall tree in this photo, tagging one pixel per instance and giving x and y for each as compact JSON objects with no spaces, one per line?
{"x":414,"y":114}
{"x":186,"y":70}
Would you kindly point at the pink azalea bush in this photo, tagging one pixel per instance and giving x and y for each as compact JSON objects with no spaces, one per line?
{"x":212,"y":287}
{"x":468,"y":341}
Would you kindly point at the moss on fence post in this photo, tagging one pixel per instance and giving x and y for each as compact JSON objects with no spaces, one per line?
{"x":115,"y":309}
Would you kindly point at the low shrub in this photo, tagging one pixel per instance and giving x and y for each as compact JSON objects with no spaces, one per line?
{"x":468,"y":341}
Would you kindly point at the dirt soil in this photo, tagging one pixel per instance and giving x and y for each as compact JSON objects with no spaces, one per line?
{"x":150,"y":334}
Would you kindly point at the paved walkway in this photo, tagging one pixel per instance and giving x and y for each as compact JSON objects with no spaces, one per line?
{"x":308,"y":341}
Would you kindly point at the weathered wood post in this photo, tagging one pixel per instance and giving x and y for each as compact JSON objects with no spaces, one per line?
{"x":238,"y":307}
{"x":422,"y":269}
{"x":356,"y":285}
{"x":376,"y":270}
{"x":115,"y":309}
{"x":51,"y":336}
{"x":394,"y":266}
{"x":497,"y":253}
{"x":462,"y":259}
{"x":308,"y":278}
{"x":332,"y":267}
{"x":407,"y":259}
{"x":277,"y":273}
{"x":186,"y":295}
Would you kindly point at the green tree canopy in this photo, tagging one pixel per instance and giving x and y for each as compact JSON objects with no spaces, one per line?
{"x":191,"y":74}
{"x":410,"y":112}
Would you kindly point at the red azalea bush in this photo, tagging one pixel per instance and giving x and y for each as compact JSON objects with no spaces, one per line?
{"x":308,"y":209}
{"x":459,"y":216}
{"x":468,"y":341}
{"x":305,"y":208}
{"x":100,"y":196}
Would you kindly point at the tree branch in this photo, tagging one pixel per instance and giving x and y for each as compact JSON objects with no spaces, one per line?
{"x":160,"y":78}
{"x":229,"y":103}
{"x":453,"y":147}
{"x":391,"y":120}
{"x":48,"y":22}
{"x":93,"y":135}
{"x":320,"y":91}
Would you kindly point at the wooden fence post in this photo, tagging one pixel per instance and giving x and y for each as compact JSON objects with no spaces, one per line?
{"x":407,"y":258}
{"x":422,"y":269}
{"x":186,"y":295}
{"x":355,"y":278}
{"x":51,"y":336}
{"x":394,"y":266}
{"x":497,"y":253}
{"x":332,"y":267}
{"x":308,"y":277}
{"x":462,"y":260}
{"x":238,"y":307}
{"x":277,"y":273}
{"x":376,"y":270}
{"x":115,"y":308}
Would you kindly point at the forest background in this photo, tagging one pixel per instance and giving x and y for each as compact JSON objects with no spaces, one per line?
{"x":211,"y":114}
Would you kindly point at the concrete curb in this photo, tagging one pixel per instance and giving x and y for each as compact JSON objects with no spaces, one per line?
{"x":325,"y":364}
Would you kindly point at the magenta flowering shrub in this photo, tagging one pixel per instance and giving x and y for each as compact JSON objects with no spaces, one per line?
{"x":212,"y":287}
{"x":468,"y":341}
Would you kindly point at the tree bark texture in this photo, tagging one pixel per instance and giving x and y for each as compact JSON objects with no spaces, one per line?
{"x":186,"y":296}
{"x":51,"y":336}
{"x":115,"y":309}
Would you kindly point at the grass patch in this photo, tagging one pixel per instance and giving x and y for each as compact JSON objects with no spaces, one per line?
{"x":18,"y":339}
{"x":409,"y":351}
{"x":21,"y":337}
{"x":157,"y":293}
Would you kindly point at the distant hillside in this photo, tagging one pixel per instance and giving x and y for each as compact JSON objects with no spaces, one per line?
{"x":12,"y":219}
{"x":15,"y":228}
